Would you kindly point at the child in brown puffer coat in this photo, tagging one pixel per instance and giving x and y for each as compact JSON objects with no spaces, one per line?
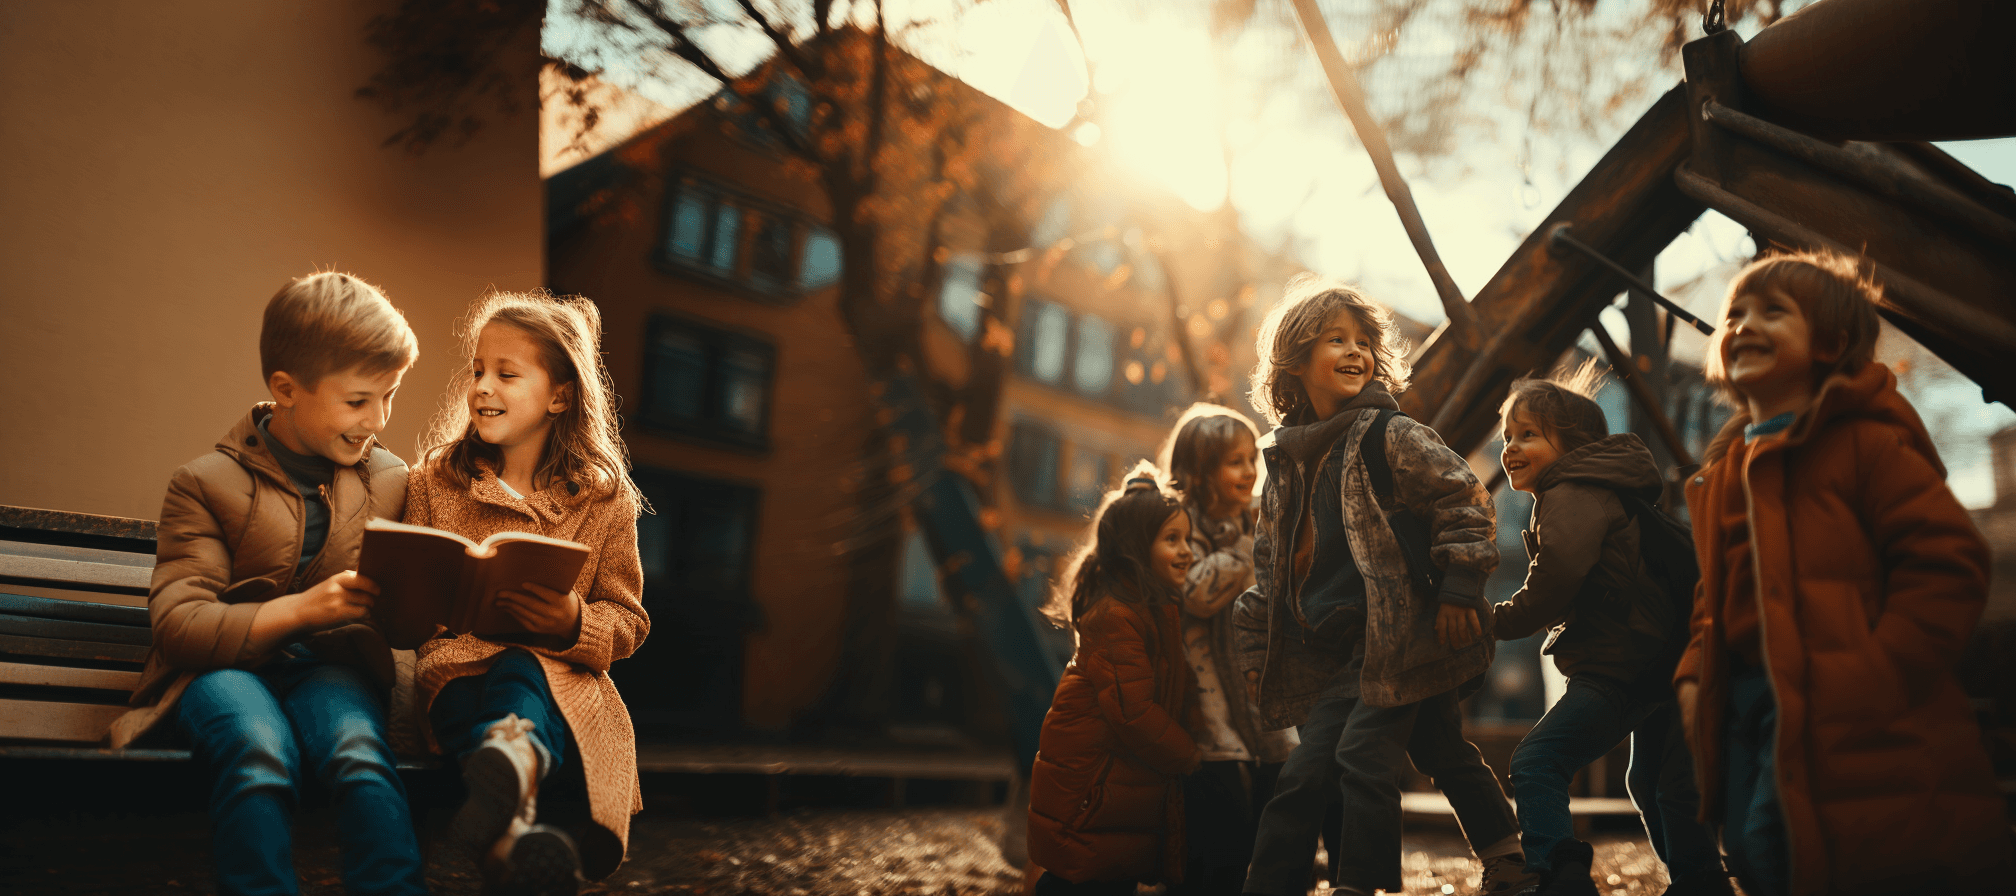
{"x":1105,"y":797}
{"x":1839,"y":581}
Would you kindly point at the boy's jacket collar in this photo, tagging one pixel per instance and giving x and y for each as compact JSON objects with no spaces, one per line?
{"x":1620,"y":462}
{"x":1306,"y":439}
{"x":242,"y":443}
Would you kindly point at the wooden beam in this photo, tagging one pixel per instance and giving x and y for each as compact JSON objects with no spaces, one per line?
{"x":1540,"y":301}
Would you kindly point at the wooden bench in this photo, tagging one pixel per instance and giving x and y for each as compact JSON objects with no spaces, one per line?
{"x":74,"y":632}
{"x":73,"y":629}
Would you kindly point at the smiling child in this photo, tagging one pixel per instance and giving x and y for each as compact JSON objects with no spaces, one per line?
{"x":1839,"y":581}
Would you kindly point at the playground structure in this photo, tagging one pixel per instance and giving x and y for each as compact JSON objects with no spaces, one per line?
{"x":1813,"y":135}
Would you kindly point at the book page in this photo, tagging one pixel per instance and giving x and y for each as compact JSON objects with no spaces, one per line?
{"x":419,"y":573}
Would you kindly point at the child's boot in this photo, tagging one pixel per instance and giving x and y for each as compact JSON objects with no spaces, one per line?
{"x":1568,"y":874}
{"x":1505,"y":871}
{"x":502,"y":777}
{"x":532,"y":860}
{"x":1506,"y":875}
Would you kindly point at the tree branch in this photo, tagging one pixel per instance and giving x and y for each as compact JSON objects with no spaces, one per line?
{"x":806,"y":66}
{"x":683,"y":46}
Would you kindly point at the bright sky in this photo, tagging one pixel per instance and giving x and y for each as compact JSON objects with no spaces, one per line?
{"x":1295,"y":179}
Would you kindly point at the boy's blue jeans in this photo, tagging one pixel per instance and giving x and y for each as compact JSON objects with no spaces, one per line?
{"x":1753,"y":830}
{"x":1361,"y":751}
{"x":1589,"y":719}
{"x":252,"y":732}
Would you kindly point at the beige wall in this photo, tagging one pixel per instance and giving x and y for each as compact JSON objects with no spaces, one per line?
{"x":170,"y":165}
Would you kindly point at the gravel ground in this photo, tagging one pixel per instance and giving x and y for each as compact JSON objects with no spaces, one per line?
{"x":825,"y":852}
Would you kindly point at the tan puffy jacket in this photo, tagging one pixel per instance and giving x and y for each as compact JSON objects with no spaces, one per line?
{"x":230,"y":537}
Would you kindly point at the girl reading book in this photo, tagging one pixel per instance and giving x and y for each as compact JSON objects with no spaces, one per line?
{"x":527,"y":441}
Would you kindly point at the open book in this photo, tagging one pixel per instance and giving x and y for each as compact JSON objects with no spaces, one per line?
{"x":428,"y":577}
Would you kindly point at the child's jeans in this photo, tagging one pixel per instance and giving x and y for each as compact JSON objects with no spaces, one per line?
{"x":515,"y":684}
{"x":1361,"y":751}
{"x":252,"y":730}
{"x":1221,"y":811}
{"x":1590,"y":719}
{"x":1753,"y":829}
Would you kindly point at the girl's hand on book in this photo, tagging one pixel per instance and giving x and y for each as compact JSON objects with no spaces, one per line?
{"x":1456,"y":626}
{"x":543,"y":610}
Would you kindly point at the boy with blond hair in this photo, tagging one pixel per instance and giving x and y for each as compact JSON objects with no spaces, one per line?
{"x":1370,"y":555}
{"x":263,"y":655}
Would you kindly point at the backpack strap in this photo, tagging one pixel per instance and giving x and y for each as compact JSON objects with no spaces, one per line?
{"x":1377,"y":468}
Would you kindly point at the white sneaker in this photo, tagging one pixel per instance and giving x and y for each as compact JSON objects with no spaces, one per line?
{"x":502,"y":777}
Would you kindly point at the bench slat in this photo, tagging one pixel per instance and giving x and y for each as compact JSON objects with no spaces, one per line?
{"x":67,"y":630}
{"x":73,"y":610}
{"x":85,"y":572}
{"x":68,"y":722}
{"x":74,"y":595}
{"x":68,"y":677}
{"x":11,"y":548}
{"x":75,"y":650}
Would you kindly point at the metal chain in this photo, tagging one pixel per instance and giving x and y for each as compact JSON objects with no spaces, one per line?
{"x":1712,"y":22}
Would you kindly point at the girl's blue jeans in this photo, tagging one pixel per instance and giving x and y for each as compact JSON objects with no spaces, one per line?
{"x":515,"y":685}
{"x":1592,"y":717}
{"x":256,"y":732}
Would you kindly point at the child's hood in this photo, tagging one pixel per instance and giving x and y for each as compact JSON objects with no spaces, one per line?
{"x":1867,"y":394}
{"x":1620,"y":462}
{"x":1306,"y":438}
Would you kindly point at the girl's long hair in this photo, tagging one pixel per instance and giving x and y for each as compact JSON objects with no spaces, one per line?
{"x":1197,"y":446}
{"x":583,"y":447}
{"x":1115,"y":562}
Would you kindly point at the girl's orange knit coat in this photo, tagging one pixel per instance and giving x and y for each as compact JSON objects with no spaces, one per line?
{"x":613,"y":623}
{"x":1869,"y":576}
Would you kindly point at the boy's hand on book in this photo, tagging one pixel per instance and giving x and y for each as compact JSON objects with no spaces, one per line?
{"x":543,"y":610}
{"x":1457,"y":626}
{"x":341,"y":599}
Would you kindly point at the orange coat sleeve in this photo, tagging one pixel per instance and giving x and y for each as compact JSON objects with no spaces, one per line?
{"x":1935,"y":563}
{"x":1123,"y":677}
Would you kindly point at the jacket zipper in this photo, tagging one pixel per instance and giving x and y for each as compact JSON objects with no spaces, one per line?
{"x":1764,"y":660}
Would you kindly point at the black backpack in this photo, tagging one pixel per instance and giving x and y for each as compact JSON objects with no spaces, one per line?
{"x":1667,"y":547}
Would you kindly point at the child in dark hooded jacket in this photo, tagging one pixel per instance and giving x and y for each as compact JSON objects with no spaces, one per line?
{"x":1613,"y":628}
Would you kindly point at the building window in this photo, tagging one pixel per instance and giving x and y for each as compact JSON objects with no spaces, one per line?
{"x":959,"y":294}
{"x":698,"y":551}
{"x":705,"y":382}
{"x":819,"y":264}
{"x":1092,"y":369}
{"x":1033,"y":451}
{"x":1041,"y":346}
{"x":721,"y":235}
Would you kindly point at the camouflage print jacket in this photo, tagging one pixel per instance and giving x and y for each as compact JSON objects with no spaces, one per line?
{"x":1403,"y":661}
